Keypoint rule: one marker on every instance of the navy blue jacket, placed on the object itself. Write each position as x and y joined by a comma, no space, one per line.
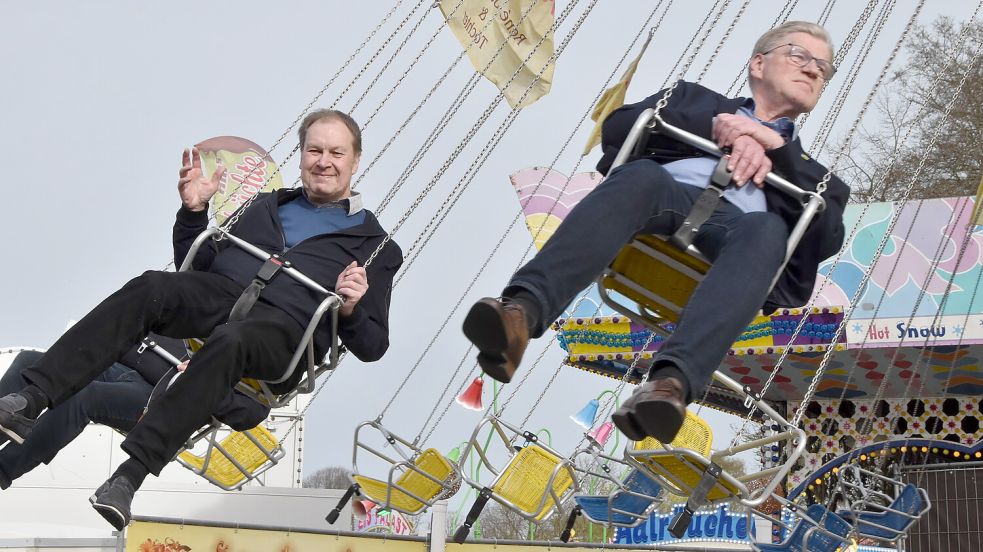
692,108
322,258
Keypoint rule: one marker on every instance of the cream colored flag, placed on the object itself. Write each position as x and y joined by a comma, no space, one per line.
612,99
482,26
978,209
249,170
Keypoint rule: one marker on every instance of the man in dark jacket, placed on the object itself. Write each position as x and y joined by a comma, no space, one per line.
320,229
116,398
745,236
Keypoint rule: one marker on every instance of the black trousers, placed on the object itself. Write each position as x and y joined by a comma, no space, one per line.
180,305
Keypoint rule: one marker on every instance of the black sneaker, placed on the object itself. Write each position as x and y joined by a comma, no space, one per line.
15,426
102,488
112,500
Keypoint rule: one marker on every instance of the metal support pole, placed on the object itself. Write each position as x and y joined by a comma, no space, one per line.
438,526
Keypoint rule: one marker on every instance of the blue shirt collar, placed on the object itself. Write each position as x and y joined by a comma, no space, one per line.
783,125
352,204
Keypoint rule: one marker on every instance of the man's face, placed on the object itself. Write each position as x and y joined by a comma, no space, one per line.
328,161
785,87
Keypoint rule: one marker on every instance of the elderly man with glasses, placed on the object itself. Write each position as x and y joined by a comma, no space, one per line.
745,236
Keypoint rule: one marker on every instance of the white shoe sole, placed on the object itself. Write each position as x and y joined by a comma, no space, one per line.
110,514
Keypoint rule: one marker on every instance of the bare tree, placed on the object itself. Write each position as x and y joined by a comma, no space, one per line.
881,161
331,477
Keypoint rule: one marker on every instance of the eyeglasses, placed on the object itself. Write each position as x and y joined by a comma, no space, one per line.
801,57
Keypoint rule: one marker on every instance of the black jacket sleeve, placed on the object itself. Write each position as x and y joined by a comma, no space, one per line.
366,332
187,225
691,107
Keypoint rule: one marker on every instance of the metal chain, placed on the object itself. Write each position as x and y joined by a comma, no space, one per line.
406,72
782,17
692,39
479,161
449,114
847,86
461,299
887,234
392,57
519,214
478,124
723,40
827,11
936,259
820,188
891,162
664,100
413,255
847,45
914,176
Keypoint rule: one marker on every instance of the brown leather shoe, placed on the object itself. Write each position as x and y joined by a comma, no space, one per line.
657,409
498,329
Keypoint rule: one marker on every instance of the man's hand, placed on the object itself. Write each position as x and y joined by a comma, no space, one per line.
183,366
747,160
352,285
727,127
194,188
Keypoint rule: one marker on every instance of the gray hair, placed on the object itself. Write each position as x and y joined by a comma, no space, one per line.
777,36
335,115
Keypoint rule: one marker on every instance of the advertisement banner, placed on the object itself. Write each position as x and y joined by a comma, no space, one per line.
168,537
917,331
509,41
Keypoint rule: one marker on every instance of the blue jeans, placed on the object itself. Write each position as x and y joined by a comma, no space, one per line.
116,398
642,197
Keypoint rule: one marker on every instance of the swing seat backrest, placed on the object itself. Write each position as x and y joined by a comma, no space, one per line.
804,540
695,435
654,274
525,481
680,466
892,523
624,507
406,492
238,458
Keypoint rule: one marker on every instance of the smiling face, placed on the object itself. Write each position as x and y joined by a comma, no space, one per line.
328,161
782,89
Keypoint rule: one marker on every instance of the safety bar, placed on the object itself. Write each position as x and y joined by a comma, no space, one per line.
333,302
797,435
648,121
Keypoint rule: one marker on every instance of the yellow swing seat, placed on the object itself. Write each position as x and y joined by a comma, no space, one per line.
237,459
535,482
525,482
656,275
417,478
686,467
660,276
413,491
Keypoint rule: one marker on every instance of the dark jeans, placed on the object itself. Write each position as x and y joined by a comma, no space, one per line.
641,197
179,305
115,398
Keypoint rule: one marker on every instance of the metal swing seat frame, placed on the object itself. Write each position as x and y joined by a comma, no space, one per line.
233,458
415,480
815,529
535,482
687,467
876,514
659,273
634,496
